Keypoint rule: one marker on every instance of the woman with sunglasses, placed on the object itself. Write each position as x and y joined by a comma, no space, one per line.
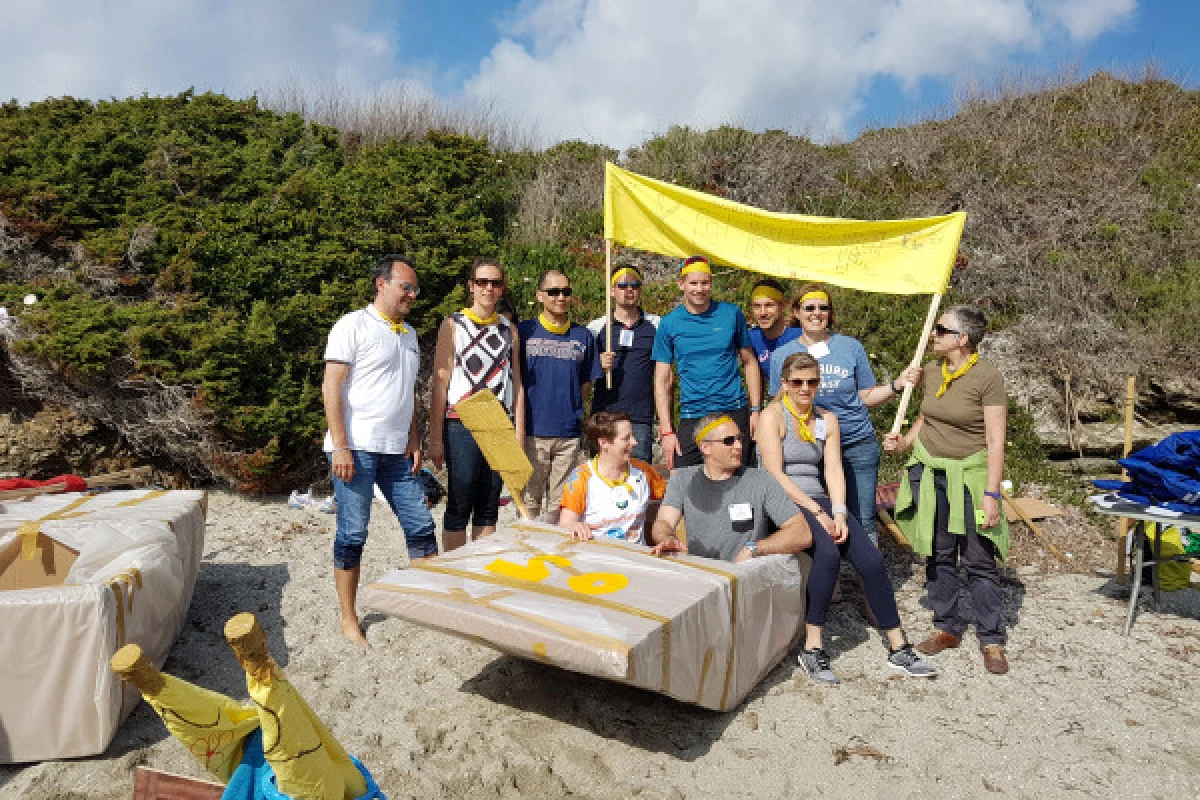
610,495
848,389
476,350
949,508
800,445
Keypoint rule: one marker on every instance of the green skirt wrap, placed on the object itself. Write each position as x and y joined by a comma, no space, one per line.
916,519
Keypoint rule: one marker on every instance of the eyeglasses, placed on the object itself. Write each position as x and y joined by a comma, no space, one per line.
800,383
811,307
942,330
484,283
565,291
408,288
630,285
728,441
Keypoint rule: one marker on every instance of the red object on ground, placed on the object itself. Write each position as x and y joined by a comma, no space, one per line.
885,495
74,483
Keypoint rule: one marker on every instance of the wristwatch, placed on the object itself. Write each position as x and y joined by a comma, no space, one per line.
755,409
753,548
894,389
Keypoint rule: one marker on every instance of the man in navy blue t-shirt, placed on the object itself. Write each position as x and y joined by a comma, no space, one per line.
629,359
558,365
706,341
771,315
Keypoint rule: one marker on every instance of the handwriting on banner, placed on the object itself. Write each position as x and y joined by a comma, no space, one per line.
535,571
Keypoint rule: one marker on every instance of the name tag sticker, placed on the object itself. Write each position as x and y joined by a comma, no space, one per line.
819,350
741,512
818,429
626,338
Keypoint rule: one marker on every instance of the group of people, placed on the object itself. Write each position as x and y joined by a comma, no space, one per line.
818,455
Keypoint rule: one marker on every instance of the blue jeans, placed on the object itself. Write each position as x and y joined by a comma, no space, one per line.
644,449
394,476
860,464
472,487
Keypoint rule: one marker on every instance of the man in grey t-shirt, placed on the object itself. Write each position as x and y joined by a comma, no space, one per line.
728,509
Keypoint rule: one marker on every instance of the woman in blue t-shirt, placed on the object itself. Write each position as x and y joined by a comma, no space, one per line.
848,389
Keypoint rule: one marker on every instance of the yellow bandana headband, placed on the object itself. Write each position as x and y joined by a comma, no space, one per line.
710,427
695,264
767,293
623,271
816,294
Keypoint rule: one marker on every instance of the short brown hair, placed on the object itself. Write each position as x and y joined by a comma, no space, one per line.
813,287
603,425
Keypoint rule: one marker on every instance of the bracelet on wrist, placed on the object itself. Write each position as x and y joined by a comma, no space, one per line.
993,495
840,509
755,409
664,434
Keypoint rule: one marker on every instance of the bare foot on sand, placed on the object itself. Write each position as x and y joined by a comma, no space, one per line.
353,631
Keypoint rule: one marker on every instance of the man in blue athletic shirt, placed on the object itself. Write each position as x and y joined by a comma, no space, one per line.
771,317
629,360
706,341
558,365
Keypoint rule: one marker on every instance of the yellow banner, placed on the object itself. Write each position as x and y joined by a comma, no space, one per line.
904,256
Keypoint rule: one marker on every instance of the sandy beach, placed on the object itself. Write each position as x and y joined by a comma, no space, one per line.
1084,711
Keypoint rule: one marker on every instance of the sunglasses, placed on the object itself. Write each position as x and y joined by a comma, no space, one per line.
631,285
494,283
800,383
942,330
811,307
728,441
564,291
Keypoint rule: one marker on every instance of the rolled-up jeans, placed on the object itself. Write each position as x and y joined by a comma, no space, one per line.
860,465
393,474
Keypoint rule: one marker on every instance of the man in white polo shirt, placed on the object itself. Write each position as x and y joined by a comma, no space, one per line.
371,363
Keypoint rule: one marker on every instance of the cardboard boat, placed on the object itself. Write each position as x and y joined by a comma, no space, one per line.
701,631
81,575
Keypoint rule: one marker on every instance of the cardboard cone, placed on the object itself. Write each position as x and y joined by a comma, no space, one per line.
210,725
308,761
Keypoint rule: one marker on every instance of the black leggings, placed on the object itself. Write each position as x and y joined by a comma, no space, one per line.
826,562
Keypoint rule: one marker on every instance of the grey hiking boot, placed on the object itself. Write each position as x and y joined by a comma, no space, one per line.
907,661
816,664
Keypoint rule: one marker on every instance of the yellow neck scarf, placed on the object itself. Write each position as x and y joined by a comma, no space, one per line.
622,481
398,326
801,422
949,378
557,330
478,320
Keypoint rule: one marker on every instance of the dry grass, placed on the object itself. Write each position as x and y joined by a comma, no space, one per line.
402,112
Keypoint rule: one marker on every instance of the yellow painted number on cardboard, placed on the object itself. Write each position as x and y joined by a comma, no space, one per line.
536,571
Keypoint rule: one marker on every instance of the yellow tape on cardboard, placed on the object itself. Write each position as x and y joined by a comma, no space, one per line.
904,256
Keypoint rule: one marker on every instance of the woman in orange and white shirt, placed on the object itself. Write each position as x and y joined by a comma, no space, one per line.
612,494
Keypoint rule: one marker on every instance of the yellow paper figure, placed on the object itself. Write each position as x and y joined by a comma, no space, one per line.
308,762
210,725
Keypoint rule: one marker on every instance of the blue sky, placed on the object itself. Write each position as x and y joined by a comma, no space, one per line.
616,71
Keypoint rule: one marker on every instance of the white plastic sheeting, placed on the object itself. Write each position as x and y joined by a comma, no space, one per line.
702,631
139,552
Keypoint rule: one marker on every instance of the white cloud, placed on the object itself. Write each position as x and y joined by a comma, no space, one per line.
102,48
1087,19
619,70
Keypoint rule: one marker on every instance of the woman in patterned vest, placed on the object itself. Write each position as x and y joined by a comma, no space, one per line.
476,350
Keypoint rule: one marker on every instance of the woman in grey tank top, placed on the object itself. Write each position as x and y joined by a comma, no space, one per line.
800,445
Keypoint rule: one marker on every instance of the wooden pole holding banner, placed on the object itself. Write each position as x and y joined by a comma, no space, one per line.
608,305
916,361
1122,523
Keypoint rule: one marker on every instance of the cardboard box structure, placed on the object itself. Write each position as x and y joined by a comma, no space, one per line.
102,570
702,631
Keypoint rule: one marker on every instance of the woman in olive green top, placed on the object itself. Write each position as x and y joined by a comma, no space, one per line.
949,508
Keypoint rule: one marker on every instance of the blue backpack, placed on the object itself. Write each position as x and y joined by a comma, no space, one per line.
1165,474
